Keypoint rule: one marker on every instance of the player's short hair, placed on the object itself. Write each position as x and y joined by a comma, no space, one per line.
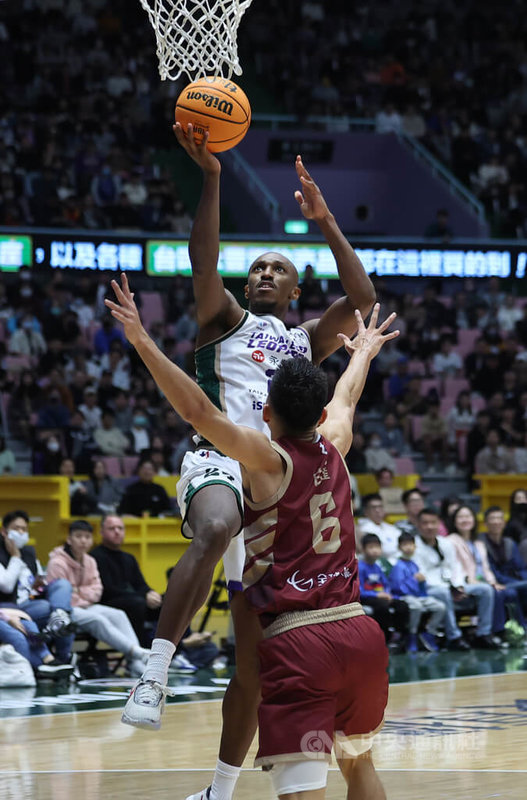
11,515
370,538
80,525
405,536
298,393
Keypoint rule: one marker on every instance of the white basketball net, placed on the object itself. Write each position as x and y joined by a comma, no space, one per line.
196,36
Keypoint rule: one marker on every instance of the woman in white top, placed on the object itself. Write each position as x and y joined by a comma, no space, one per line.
460,418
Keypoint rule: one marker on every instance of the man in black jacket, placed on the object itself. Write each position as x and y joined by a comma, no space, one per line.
23,584
145,495
123,583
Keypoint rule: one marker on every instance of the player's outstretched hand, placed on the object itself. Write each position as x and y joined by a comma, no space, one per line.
310,200
125,310
198,152
369,339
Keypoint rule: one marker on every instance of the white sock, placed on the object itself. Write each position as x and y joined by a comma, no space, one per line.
159,661
224,781
139,653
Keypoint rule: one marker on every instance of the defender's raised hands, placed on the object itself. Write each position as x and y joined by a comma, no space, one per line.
369,339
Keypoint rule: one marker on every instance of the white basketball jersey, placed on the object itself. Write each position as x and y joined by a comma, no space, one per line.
236,369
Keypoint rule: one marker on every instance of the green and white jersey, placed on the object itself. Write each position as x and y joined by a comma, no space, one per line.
235,370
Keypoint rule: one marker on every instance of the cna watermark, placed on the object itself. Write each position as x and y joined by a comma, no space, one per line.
319,744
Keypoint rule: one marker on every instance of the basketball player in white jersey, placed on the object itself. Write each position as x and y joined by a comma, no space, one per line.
237,353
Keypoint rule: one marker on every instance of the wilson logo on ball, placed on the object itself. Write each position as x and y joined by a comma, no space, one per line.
223,106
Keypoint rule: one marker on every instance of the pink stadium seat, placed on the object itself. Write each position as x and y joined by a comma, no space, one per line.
113,466
416,367
430,383
404,465
129,465
453,386
465,341
152,308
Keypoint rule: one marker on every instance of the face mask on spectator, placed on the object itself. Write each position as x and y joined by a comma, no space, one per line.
53,446
19,538
140,421
375,443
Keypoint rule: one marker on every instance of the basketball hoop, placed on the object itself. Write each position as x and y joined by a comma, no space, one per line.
196,36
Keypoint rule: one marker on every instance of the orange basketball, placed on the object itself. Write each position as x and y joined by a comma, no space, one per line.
218,106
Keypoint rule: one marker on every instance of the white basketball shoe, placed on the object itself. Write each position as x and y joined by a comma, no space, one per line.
203,795
145,705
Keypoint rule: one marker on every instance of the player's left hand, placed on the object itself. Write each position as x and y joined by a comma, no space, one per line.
125,311
369,339
311,201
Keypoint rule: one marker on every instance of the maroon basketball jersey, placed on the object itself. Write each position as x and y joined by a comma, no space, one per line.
300,547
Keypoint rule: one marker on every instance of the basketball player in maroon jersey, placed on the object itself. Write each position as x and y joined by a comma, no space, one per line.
322,662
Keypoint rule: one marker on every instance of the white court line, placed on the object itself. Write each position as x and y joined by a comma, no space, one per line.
249,769
50,713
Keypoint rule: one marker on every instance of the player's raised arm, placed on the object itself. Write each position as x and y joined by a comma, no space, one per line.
338,426
215,306
251,448
359,289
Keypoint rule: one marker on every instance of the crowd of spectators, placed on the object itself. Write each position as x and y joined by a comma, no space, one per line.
84,116
84,590
83,119
453,75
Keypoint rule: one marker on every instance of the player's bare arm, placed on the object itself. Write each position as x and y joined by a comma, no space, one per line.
359,289
216,309
251,448
338,426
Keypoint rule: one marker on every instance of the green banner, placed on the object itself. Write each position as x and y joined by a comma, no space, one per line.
15,252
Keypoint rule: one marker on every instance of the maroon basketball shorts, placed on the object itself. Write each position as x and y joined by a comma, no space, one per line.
322,685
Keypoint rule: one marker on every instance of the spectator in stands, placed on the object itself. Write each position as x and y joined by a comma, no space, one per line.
477,437
23,584
449,505
447,362
123,412
436,557
53,414
399,380
390,612
413,123
392,436
440,228
79,442
434,436
103,489
72,563
123,583
24,403
117,363
388,120
373,521
488,376
144,495
407,583
505,561
516,527
80,502
107,334
138,434
159,462
476,360
494,457
521,327
413,501
312,295
508,314
460,418
390,494
376,456
91,411
26,341
18,629
7,459
110,440
472,555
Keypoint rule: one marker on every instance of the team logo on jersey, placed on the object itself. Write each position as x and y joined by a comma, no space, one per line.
320,475
300,584
258,356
